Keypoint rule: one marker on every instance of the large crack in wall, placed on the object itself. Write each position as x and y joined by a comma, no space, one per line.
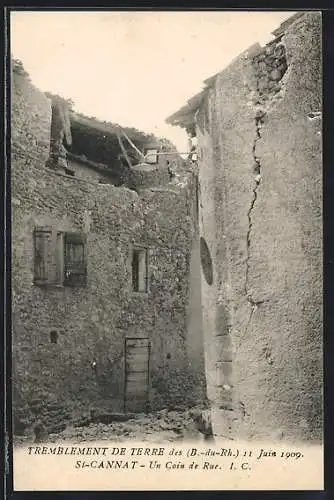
257,170
269,66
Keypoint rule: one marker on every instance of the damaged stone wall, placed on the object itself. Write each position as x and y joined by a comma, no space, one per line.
60,133
54,381
260,162
30,121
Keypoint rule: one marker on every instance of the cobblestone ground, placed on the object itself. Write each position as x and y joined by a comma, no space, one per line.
161,426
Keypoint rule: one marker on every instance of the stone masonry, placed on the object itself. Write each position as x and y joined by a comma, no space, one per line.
85,367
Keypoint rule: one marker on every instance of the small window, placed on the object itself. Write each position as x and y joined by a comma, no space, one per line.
60,258
151,156
140,270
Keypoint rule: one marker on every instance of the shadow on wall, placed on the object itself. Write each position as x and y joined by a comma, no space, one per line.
206,261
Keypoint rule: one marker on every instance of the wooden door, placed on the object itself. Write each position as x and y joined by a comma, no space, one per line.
137,370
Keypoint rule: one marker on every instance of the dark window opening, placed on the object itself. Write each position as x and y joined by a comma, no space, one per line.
139,270
53,337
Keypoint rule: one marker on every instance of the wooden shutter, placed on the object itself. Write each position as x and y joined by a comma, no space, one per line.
75,263
42,239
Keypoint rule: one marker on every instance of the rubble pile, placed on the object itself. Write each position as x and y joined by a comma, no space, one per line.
161,426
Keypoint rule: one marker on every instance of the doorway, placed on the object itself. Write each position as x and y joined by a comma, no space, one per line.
137,375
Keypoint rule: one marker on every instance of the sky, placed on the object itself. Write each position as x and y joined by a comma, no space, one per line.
134,68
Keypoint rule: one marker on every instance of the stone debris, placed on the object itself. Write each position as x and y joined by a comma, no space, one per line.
161,426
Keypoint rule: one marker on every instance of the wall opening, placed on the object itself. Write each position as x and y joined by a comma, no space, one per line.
140,270
206,261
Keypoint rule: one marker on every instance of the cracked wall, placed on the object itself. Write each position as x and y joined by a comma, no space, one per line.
52,381
260,172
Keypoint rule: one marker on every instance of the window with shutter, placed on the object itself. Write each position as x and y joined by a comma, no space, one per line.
140,270
75,266
59,258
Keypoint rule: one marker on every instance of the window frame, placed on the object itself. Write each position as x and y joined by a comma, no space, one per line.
139,249
74,238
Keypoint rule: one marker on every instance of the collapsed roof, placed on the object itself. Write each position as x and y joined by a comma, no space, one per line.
98,141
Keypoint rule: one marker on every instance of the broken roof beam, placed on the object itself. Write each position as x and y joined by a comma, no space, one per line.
184,117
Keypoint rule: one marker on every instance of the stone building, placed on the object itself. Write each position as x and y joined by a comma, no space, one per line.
105,279
258,129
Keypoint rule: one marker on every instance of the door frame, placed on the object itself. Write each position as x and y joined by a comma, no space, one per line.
149,348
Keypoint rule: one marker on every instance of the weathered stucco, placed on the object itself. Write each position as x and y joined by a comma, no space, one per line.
53,381
260,170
